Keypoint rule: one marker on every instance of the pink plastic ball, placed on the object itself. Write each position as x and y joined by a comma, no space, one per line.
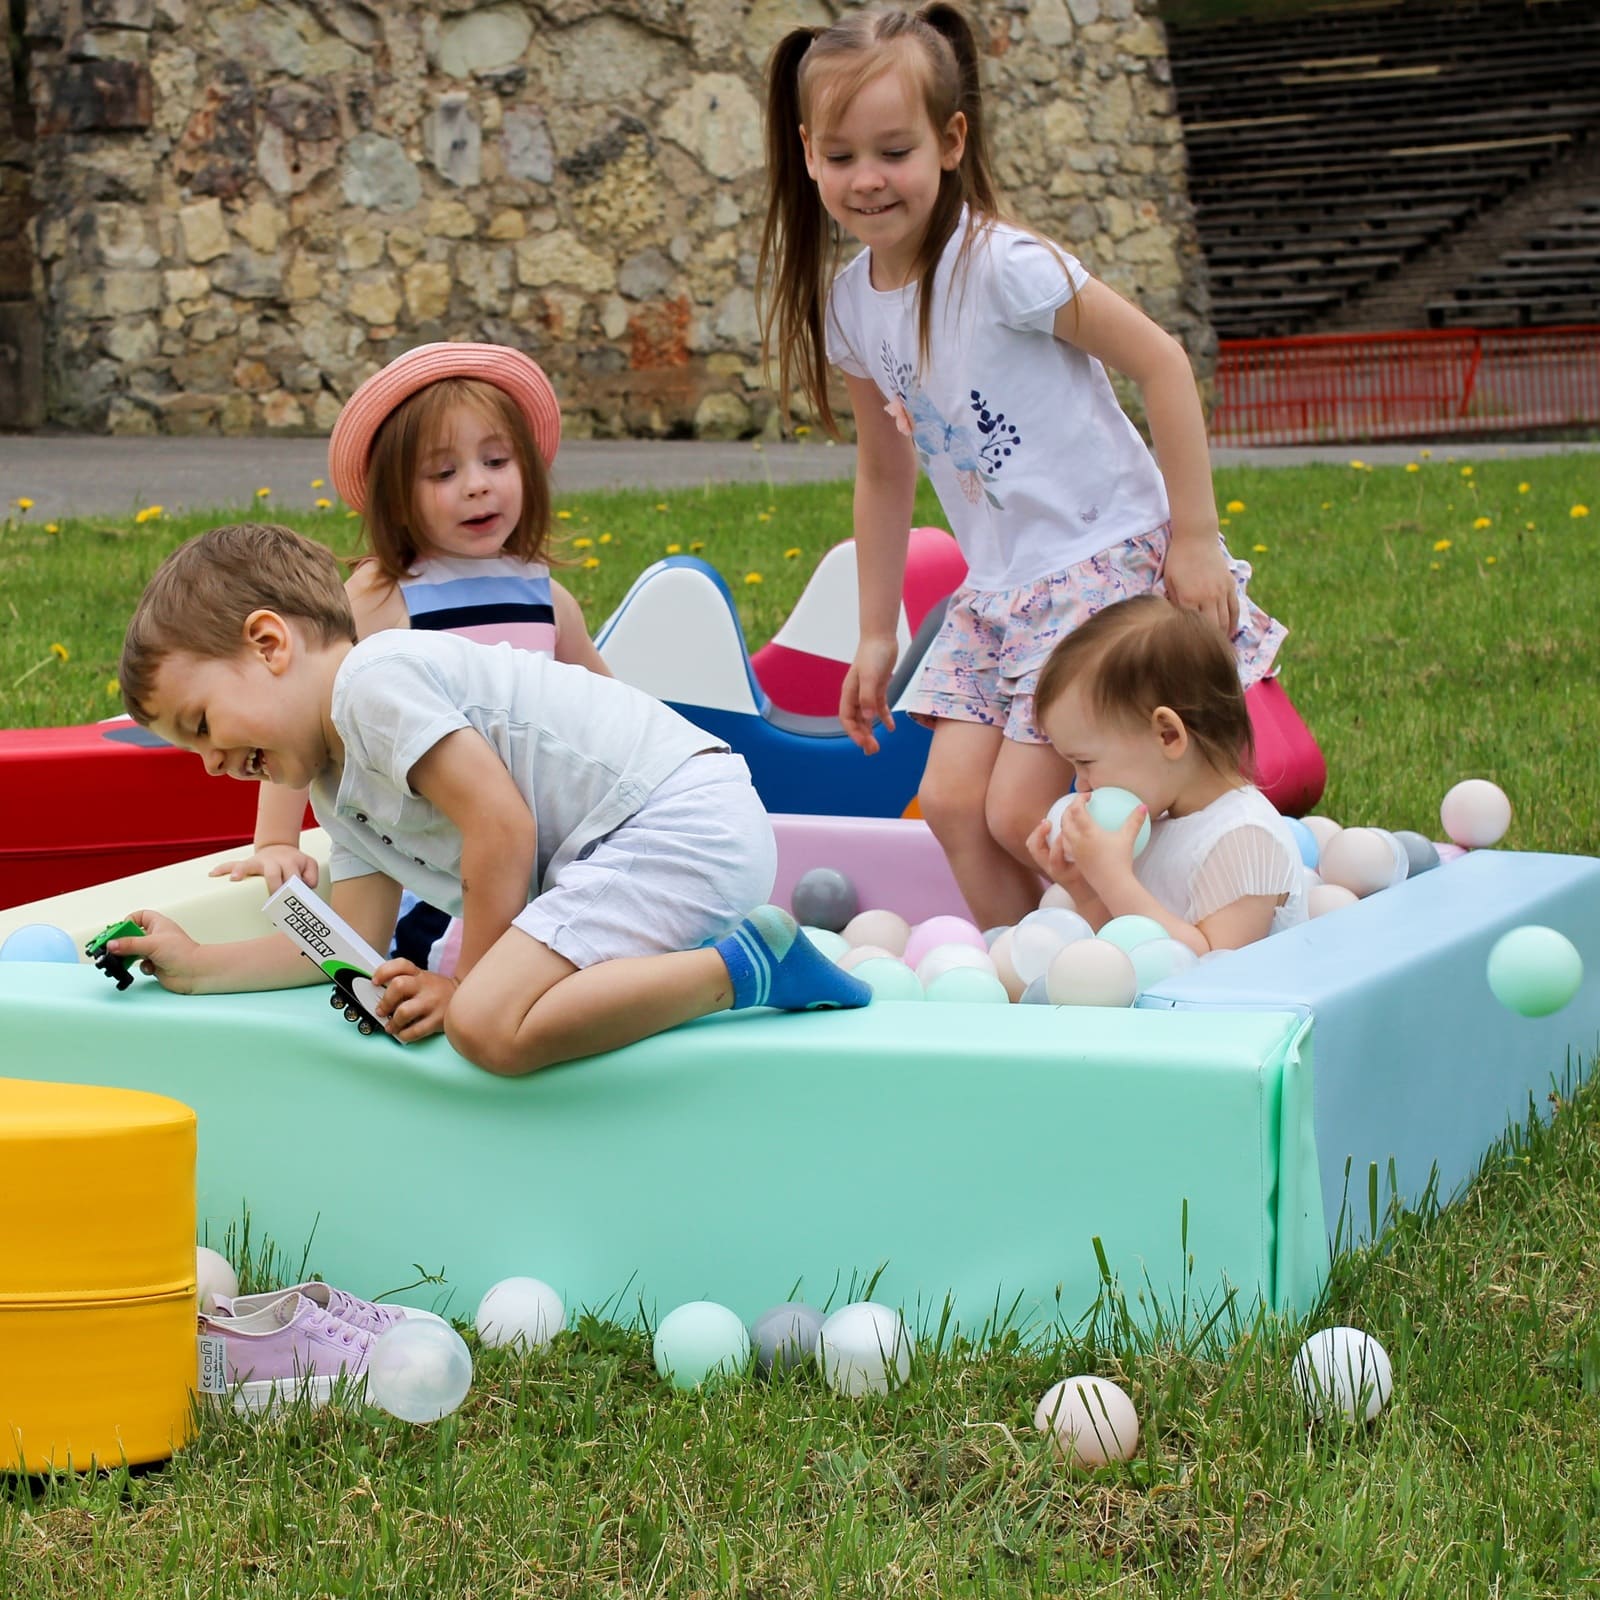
1358,859
1476,813
1090,1420
935,931
1449,852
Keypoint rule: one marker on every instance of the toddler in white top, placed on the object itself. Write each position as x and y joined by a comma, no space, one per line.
1146,697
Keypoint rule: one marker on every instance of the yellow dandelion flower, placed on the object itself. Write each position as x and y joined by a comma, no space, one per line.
52,527
563,516
674,549
1483,522
1358,466
1528,526
1411,466
661,505
591,562
324,504
24,503
1433,566
753,577
349,514
316,483
802,431
1523,488
1236,505
792,553
605,538
1578,511
1327,505
261,494
1427,455
1466,472
583,544
1489,561
771,510
1260,549
1441,544
60,652
697,544
763,516
1224,522
113,688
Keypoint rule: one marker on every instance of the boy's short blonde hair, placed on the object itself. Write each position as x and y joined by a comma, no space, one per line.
198,600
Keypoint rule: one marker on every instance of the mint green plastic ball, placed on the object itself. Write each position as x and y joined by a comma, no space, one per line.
1534,970
890,978
1110,808
970,984
1128,933
699,1343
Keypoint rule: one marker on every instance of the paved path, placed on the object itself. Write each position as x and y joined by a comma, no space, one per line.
84,475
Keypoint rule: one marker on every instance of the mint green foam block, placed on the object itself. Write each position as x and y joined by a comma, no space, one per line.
965,1150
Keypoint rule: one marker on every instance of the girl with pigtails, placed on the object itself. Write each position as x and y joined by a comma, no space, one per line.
977,350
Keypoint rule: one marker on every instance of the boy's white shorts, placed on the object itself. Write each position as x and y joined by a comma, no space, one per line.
694,859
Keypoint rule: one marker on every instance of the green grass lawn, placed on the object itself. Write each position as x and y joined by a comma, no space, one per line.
1443,625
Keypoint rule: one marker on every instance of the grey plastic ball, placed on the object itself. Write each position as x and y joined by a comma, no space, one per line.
1035,994
824,898
786,1335
1419,850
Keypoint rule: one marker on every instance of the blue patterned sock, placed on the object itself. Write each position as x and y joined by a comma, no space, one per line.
773,964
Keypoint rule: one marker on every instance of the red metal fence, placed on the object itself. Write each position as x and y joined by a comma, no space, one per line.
1331,388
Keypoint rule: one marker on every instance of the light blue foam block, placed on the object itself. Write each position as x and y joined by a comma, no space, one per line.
1416,1061
965,1153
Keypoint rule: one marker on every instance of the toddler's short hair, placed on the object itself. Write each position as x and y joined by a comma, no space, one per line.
1146,652
200,596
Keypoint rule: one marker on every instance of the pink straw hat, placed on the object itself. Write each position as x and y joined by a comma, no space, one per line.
350,448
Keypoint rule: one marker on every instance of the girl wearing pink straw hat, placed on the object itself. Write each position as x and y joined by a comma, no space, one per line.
446,454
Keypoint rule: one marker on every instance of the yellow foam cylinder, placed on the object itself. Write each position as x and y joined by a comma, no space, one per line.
97,1276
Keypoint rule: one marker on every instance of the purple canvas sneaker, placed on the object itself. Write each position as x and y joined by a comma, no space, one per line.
288,1349
363,1314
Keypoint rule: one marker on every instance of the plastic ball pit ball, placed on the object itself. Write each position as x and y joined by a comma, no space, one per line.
419,1370
1109,808
1305,841
1421,856
831,944
1328,897
1128,933
825,898
1358,859
971,985
1037,993
890,978
943,958
1091,972
1039,938
785,1336
1158,960
1402,856
1344,1372
886,929
936,931
859,955
40,941
700,1343
1091,1421
1322,829
1055,898
1476,813
214,1278
1534,970
523,1313
864,1348
1000,954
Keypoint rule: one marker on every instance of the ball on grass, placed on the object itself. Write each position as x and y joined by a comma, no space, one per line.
523,1313
40,941
214,1278
785,1336
1343,1372
1534,970
419,1370
1091,1421
701,1342
1476,813
864,1348
824,898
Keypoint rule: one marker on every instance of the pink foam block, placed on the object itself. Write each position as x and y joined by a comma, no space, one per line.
894,863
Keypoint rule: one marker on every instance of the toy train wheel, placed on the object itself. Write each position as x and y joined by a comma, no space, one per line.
351,1014
336,1000
364,1026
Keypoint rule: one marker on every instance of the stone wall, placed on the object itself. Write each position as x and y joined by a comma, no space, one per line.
243,207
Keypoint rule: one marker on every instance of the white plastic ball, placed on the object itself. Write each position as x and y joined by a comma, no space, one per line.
886,929
864,1348
1090,1420
1402,861
1361,860
889,978
943,958
1129,932
214,1278
1476,813
1328,897
1053,815
1322,830
1055,898
1091,972
1345,1372
419,1370
1159,959
524,1313
701,1342
1010,978
968,986
1036,940
936,931
831,944
857,954
1309,878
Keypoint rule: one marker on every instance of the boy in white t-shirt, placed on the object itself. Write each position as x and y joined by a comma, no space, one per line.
603,852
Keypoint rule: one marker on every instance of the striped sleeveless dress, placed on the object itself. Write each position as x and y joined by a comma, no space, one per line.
498,601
